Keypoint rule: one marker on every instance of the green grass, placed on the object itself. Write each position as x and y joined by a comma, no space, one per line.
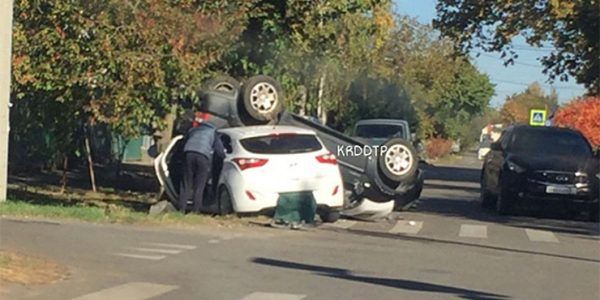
4,260
115,214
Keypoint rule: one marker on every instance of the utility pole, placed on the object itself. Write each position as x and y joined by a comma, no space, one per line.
6,19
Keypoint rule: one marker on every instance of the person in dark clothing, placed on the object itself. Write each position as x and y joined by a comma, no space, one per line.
202,145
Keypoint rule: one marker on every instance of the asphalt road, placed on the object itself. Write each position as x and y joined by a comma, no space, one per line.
445,247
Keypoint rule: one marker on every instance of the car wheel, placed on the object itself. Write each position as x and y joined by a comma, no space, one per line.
399,162
262,98
404,201
503,203
224,201
222,83
487,201
594,214
330,216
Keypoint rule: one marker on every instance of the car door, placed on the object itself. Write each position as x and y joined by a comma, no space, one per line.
494,161
161,167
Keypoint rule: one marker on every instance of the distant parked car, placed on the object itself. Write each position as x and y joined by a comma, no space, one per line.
377,131
547,165
262,162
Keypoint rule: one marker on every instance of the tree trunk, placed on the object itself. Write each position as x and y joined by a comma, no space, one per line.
321,112
303,100
63,180
90,161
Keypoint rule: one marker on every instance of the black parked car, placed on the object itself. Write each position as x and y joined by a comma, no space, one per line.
546,165
259,100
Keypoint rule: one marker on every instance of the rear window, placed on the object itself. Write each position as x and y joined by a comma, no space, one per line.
282,144
549,142
380,131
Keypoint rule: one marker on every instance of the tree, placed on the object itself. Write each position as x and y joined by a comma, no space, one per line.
516,107
570,26
584,115
315,48
119,63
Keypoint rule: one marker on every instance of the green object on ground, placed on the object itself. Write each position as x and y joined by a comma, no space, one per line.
294,208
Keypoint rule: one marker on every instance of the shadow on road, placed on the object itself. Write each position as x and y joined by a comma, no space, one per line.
465,244
389,282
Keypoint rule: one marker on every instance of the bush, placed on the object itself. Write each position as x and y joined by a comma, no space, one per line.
583,115
438,147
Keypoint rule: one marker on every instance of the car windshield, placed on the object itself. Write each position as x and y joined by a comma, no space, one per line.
282,144
383,131
549,143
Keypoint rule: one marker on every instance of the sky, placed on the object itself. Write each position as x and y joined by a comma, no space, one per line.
508,79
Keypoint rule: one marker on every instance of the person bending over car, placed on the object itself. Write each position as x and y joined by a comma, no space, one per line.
201,145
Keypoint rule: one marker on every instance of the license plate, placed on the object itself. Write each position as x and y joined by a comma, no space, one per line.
563,190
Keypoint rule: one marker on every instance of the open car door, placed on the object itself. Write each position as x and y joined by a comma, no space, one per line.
163,167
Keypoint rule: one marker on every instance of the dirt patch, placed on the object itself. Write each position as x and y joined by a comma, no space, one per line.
28,270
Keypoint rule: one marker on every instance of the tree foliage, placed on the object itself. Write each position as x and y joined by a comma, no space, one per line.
570,26
124,65
516,108
584,115
118,62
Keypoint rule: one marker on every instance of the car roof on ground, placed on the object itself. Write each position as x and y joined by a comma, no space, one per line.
262,130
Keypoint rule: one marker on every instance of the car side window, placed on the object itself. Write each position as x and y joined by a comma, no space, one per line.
226,140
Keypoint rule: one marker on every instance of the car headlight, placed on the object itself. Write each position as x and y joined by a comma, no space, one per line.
515,168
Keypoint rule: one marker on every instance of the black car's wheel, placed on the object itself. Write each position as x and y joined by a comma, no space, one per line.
262,98
487,200
594,214
330,216
224,201
399,161
222,83
504,203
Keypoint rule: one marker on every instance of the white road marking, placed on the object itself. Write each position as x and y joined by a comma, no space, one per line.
213,241
149,257
541,236
344,224
407,227
273,296
178,246
473,231
164,251
129,291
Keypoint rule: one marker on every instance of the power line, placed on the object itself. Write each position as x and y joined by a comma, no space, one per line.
528,84
515,62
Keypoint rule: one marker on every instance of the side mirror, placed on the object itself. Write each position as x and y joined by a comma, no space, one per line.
496,146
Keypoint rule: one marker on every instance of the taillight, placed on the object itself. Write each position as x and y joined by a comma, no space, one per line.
327,159
247,163
250,195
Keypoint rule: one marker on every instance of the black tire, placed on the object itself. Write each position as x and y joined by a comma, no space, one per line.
224,201
504,205
404,150
594,214
222,83
262,86
487,200
404,201
330,216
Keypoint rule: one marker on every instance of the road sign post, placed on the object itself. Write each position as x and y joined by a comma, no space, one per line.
538,117
6,12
